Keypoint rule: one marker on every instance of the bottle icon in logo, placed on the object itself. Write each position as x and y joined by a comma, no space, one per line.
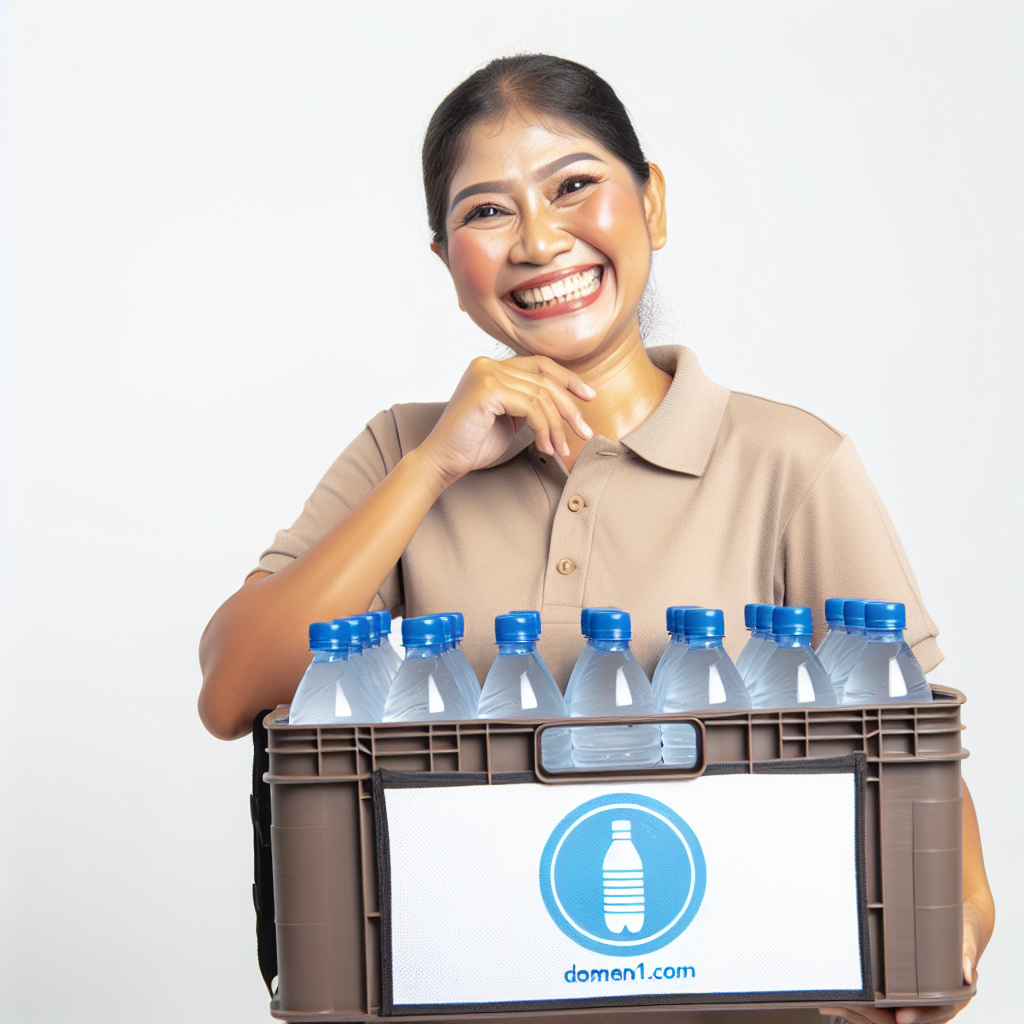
623,882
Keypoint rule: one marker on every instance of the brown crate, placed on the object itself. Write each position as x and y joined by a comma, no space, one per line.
325,868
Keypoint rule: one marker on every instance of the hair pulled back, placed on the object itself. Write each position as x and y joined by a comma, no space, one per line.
539,82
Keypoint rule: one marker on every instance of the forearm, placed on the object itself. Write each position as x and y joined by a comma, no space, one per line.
979,907
255,649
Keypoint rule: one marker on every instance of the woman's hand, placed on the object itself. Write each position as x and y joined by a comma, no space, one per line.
493,400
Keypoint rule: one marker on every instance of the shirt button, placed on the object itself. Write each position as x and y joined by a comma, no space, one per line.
575,503
566,566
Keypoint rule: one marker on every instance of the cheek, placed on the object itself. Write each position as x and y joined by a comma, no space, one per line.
474,258
616,220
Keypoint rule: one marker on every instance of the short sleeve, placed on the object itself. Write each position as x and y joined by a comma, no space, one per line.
840,542
359,468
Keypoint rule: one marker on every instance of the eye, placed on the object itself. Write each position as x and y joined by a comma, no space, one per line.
575,183
485,212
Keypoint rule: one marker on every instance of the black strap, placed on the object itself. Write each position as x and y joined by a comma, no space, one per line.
263,864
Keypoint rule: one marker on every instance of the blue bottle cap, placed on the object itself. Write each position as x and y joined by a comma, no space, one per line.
608,624
853,613
792,621
885,615
750,616
425,630
704,622
674,616
516,626
834,610
333,636
585,619
369,631
383,622
458,624
528,611
763,620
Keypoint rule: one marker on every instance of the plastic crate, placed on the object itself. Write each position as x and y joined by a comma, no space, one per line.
324,844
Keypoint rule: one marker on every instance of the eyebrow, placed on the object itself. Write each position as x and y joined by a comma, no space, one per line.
539,175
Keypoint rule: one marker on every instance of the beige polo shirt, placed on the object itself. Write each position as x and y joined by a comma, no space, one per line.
717,499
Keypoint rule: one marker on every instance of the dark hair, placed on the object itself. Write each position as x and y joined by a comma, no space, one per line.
539,82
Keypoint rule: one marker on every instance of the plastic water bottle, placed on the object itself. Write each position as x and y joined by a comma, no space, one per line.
587,652
763,636
519,684
675,647
836,631
847,649
333,692
424,689
457,660
389,655
703,678
791,676
623,882
613,685
368,661
755,641
887,671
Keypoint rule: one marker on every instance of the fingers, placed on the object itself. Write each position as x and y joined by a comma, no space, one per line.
542,374
860,1014
928,1014
566,378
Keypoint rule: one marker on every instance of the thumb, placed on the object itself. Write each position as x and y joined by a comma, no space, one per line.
970,948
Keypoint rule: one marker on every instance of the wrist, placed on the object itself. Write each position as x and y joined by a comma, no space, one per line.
427,473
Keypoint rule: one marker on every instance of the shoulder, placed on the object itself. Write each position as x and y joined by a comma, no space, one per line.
777,431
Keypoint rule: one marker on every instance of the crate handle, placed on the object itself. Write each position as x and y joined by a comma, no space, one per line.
554,775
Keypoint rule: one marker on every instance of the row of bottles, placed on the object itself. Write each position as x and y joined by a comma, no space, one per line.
355,677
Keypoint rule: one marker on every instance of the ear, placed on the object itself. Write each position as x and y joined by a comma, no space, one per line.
438,251
654,207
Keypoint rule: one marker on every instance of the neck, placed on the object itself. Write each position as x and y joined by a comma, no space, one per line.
629,388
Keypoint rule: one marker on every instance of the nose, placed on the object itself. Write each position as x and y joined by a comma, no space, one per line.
541,237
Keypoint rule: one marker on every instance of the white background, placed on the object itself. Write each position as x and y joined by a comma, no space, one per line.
216,270
501,945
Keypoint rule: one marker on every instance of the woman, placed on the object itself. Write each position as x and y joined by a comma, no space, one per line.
585,471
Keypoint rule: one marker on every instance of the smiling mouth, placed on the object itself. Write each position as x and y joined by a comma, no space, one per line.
561,292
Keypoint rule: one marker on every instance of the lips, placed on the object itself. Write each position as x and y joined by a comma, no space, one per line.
552,295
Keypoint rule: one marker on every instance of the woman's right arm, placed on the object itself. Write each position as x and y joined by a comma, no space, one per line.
254,650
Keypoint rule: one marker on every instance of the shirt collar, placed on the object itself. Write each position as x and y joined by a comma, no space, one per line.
680,434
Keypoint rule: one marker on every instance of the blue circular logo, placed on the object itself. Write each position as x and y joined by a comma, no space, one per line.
622,874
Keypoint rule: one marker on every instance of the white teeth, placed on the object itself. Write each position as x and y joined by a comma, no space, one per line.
566,289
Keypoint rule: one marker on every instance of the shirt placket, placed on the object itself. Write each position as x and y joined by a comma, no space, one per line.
572,530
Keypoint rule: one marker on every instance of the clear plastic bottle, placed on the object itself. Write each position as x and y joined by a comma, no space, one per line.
703,678
333,691
836,631
424,689
887,671
675,647
752,645
370,660
389,655
519,684
457,660
587,652
791,676
613,685
847,648
762,635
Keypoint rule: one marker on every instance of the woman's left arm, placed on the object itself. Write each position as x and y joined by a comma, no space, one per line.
979,920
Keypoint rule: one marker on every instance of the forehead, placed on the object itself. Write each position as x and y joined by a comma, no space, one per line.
514,148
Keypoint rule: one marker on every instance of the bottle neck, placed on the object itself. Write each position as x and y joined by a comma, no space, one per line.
883,636
611,645
425,650
837,627
761,634
677,638
703,643
854,630
340,654
791,640
517,647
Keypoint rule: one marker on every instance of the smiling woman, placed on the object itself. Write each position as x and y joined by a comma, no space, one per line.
586,470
